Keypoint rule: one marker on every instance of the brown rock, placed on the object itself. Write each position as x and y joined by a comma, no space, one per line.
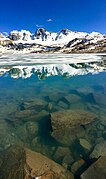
49,175
39,165
7,136
97,170
12,166
78,165
62,104
36,104
20,163
64,154
65,124
99,150
32,128
49,106
55,96
85,144
27,115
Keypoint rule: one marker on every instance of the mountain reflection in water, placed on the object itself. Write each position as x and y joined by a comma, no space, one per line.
64,70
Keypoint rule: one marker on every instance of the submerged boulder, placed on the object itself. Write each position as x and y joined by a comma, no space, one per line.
66,124
78,166
12,163
97,170
100,99
72,98
26,115
85,144
23,163
36,104
64,155
99,150
7,136
39,165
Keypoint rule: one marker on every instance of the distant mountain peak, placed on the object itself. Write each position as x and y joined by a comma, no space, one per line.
65,31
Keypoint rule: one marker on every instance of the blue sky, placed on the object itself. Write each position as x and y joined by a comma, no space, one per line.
54,15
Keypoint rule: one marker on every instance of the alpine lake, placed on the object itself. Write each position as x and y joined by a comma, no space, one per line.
58,110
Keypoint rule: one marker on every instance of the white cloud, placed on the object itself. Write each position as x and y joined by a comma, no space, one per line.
49,20
37,25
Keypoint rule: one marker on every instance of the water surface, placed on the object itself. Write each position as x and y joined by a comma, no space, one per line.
30,94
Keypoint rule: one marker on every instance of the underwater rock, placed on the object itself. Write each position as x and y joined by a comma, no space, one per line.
26,132
17,162
99,150
65,124
90,98
85,144
78,166
104,135
99,140
93,107
55,96
100,127
27,115
7,136
48,175
39,116
12,165
49,106
35,142
32,128
72,98
20,115
41,148
7,106
4,127
39,165
22,133
91,133
64,156
103,119
97,170
78,106
99,88
63,105
36,104
100,99
84,90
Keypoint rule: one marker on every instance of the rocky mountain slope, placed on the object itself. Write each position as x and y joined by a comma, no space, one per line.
65,41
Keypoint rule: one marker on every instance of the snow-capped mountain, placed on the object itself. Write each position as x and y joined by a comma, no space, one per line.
42,35
76,42
64,70
1,35
23,35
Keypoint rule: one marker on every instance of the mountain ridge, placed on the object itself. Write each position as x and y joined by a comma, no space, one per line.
64,39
